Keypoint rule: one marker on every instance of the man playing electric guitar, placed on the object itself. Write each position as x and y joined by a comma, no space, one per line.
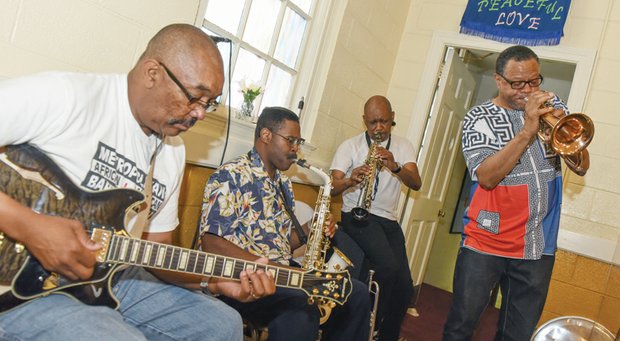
103,131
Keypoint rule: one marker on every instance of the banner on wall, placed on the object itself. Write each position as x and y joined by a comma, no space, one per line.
523,22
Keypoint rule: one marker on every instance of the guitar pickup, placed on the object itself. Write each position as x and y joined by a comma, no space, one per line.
103,237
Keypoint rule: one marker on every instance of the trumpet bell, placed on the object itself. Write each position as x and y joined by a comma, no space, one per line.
571,134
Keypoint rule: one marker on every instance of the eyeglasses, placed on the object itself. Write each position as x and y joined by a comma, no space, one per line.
292,141
517,85
193,101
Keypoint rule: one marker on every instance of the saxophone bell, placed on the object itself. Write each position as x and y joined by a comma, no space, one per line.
359,213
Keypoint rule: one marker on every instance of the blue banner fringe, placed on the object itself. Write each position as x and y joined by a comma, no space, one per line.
512,40
523,22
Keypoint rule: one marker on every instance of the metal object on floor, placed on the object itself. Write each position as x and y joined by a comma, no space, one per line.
572,328
373,289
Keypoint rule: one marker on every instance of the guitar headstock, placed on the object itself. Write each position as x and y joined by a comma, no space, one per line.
332,286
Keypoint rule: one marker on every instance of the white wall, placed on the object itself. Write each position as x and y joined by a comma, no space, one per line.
361,67
82,35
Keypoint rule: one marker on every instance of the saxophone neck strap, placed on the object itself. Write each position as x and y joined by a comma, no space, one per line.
303,238
369,142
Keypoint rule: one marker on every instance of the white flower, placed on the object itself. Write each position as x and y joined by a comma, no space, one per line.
250,90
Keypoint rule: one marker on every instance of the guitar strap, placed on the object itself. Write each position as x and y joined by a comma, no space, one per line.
142,217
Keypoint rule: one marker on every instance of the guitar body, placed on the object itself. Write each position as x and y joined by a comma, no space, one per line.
55,194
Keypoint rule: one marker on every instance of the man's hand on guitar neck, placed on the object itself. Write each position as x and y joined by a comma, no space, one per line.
249,287
252,286
61,245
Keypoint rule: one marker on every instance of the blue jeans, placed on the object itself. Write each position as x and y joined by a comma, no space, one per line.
149,310
523,283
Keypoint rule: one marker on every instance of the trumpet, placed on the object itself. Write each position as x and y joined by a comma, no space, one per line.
568,137
373,288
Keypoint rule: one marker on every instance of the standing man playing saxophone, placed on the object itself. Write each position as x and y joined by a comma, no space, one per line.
244,215
380,236
512,220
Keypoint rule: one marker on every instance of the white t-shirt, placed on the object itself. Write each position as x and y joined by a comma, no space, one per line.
303,212
83,122
352,153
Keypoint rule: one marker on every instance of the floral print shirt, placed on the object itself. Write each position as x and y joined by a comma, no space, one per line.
245,206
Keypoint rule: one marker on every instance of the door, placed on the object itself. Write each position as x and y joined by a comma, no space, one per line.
440,145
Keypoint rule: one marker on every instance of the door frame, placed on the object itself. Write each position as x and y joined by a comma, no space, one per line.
582,58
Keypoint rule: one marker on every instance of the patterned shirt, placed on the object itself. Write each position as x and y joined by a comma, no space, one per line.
520,217
245,206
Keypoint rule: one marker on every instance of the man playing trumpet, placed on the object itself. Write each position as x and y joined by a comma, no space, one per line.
512,220
379,234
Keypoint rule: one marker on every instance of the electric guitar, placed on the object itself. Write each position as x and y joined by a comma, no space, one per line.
34,180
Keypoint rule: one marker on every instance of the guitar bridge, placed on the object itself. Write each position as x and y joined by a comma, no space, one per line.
51,282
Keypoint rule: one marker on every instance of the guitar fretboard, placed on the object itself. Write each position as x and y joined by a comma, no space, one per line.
145,253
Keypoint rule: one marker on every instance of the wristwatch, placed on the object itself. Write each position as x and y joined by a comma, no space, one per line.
204,285
398,168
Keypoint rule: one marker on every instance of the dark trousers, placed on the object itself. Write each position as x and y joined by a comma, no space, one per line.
288,316
383,243
523,284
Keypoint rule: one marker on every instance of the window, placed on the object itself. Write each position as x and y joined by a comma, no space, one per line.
268,39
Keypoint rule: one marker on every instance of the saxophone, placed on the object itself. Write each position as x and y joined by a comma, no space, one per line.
318,244
360,212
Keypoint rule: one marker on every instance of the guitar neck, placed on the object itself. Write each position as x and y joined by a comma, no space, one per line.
144,253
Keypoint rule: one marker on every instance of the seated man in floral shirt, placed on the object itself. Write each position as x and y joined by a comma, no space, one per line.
244,216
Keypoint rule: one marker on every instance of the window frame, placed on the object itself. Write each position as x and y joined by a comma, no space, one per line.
315,58
302,65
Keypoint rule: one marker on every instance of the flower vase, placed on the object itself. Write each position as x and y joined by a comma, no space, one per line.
246,110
